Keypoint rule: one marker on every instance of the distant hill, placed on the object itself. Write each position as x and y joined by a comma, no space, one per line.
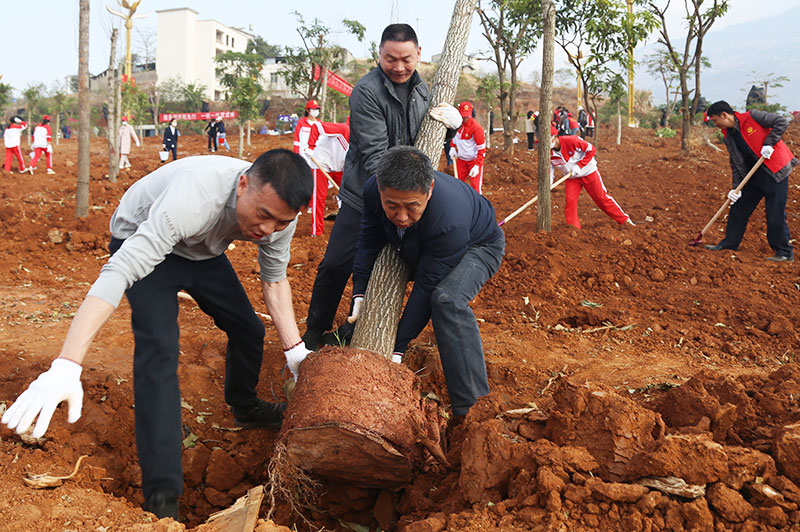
768,45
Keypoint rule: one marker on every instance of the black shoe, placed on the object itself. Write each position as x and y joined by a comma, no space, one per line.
781,258
341,337
311,338
715,247
162,503
259,414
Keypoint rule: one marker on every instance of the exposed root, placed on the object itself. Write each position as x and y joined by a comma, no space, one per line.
289,482
44,480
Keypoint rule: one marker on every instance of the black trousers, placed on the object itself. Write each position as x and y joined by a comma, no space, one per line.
530,140
174,153
334,270
154,312
212,142
761,185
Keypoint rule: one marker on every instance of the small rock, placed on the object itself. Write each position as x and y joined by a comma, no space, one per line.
728,503
627,242
657,275
786,450
55,236
431,524
619,492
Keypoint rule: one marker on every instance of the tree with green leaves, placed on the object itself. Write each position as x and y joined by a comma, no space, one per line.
61,103
239,73
33,95
766,81
487,91
261,47
6,91
699,16
512,28
318,50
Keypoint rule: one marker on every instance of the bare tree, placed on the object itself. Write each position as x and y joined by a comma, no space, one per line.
543,213
111,93
82,193
376,327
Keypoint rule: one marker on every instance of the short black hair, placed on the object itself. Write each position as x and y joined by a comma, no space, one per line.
288,174
399,33
717,108
405,168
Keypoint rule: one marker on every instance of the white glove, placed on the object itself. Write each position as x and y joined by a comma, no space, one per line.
17,120
295,357
397,358
453,154
474,171
61,382
766,151
357,302
49,148
447,115
733,196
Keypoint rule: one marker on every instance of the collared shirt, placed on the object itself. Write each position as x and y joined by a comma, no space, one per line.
188,208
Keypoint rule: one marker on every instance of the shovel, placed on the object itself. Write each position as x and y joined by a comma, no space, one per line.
532,201
699,240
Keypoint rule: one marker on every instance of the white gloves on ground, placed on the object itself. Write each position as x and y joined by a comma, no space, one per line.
474,171
447,115
357,302
61,382
453,154
766,151
397,358
733,196
295,356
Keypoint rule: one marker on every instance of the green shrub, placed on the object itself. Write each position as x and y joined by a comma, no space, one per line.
666,132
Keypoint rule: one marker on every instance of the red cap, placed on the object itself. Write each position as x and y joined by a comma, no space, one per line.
465,109
312,104
46,117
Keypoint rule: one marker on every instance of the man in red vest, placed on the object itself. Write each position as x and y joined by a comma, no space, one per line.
749,136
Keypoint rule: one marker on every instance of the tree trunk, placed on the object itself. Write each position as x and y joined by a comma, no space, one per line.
82,192
488,128
543,210
390,274
58,127
686,124
241,139
113,158
324,98
619,125
156,101
248,132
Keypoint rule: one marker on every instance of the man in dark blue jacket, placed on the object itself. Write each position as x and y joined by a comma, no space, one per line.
170,141
448,236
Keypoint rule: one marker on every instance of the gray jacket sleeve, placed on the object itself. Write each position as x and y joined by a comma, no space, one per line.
273,258
777,122
369,123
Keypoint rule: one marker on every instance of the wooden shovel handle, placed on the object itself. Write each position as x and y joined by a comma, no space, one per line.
533,200
330,179
727,202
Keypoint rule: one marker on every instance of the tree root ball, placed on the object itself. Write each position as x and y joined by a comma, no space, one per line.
355,416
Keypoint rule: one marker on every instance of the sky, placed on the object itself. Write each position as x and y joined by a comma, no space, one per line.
50,60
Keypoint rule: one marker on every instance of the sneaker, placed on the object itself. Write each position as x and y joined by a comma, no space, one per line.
259,414
781,258
162,503
713,247
630,222
51,171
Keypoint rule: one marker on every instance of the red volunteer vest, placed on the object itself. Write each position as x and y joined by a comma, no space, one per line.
754,134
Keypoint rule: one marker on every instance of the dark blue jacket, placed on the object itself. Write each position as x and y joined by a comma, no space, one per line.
170,139
455,219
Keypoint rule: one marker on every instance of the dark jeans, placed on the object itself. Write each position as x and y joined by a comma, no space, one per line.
154,312
761,185
212,142
530,140
334,270
455,327
174,153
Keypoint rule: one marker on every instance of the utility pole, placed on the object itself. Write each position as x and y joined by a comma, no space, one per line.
631,123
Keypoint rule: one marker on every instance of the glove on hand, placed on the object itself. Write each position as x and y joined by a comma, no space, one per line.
733,196
474,171
447,115
61,382
453,154
295,357
49,148
357,302
17,120
766,151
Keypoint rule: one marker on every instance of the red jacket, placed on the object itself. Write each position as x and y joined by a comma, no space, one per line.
470,142
754,134
576,156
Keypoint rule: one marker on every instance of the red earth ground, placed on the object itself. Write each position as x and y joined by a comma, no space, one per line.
635,355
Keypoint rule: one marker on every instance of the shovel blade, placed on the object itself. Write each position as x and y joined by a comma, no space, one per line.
697,241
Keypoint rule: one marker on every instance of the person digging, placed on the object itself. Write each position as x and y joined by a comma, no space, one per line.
746,135
169,233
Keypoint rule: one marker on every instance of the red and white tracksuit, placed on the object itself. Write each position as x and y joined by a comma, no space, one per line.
302,132
12,137
470,145
577,156
42,135
329,149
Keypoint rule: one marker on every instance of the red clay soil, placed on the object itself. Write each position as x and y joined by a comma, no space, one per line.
618,357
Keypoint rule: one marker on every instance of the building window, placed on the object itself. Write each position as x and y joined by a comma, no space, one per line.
218,51
231,42
227,40
219,36
273,78
217,95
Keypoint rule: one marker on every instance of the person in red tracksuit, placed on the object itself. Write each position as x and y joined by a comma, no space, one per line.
329,150
12,137
302,132
468,149
571,153
42,135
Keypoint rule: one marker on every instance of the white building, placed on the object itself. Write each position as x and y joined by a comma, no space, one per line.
186,48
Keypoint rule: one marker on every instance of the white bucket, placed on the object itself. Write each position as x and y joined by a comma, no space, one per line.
164,155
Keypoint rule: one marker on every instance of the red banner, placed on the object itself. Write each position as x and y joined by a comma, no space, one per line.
335,82
166,117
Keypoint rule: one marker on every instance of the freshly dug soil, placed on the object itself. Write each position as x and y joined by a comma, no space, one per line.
633,355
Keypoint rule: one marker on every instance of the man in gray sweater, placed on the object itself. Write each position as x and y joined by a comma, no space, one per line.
169,233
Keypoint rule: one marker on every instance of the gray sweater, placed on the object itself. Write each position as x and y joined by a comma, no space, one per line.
187,207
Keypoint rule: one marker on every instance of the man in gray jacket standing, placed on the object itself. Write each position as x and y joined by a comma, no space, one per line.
386,109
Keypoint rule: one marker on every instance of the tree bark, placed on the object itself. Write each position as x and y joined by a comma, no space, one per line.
390,274
113,158
241,139
82,192
543,210
248,132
